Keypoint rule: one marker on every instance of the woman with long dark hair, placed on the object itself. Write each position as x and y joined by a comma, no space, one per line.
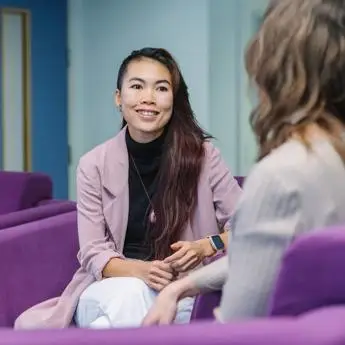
297,64
153,203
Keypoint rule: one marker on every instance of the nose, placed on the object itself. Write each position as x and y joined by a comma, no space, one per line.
148,96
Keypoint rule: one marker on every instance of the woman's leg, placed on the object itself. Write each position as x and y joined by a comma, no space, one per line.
121,302
114,302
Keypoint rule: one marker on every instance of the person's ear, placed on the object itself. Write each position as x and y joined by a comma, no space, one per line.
117,99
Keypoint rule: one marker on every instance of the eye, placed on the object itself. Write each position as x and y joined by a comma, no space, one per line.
136,86
162,88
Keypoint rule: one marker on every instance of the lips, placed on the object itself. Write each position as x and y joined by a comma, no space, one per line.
146,112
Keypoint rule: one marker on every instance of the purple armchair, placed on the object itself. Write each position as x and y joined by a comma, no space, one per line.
312,274
26,197
310,277
240,180
21,190
35,213
322,327
37,260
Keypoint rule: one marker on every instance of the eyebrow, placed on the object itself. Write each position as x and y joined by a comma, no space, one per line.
143,81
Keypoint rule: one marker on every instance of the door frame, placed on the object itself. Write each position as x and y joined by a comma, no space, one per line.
26,35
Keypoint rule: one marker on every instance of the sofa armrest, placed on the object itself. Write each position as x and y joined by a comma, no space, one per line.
37,260
53,201
323,327
35,213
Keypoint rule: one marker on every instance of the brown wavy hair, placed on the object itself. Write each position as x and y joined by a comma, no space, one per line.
297,62
182,158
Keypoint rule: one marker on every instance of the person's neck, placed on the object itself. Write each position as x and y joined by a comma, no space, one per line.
144,150
310,133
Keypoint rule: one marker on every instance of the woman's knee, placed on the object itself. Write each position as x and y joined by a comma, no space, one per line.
112,296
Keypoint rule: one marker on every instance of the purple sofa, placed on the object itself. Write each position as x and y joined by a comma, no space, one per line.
312,274
26,197
37,260
36,213
308,279
322,327
240,180
21,190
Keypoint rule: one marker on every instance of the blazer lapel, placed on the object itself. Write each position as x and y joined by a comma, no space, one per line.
115,188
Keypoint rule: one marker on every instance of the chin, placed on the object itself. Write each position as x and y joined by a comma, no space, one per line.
150,127
151,130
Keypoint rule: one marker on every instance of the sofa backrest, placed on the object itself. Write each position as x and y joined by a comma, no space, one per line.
21,190
312,273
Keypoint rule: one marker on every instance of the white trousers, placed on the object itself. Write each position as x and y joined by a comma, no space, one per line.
121,302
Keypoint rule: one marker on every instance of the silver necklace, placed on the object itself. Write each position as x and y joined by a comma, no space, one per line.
142,182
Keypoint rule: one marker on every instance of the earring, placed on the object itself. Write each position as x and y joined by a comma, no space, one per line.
120,108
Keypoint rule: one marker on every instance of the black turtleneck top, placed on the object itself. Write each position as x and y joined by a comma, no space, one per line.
147,159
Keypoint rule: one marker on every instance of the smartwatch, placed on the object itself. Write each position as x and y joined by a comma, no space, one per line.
216,242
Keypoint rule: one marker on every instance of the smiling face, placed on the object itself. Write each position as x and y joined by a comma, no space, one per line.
146,99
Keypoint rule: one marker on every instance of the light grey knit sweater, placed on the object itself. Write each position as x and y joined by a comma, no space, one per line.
289,192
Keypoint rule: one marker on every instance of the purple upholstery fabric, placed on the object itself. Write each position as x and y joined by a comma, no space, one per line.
312,273
323,327
205,303
51,201
240,180
37,260
21,190
35,213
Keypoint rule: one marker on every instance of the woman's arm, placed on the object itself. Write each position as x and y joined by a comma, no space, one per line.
117,267
226,194
98,254
207,278
207,248
225,188
270,215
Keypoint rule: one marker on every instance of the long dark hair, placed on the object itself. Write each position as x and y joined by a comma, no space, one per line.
182,158
297,62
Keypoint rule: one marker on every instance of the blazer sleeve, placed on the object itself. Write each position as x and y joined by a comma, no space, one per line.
96,248
226,191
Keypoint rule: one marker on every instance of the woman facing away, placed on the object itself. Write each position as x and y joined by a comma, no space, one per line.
152,204
297,62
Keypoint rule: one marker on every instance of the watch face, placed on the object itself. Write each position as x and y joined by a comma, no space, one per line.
218,242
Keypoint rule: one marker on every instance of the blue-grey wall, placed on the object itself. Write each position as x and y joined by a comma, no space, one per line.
207,37
103,32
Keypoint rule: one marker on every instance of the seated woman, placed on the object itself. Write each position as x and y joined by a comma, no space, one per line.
159,187
297,62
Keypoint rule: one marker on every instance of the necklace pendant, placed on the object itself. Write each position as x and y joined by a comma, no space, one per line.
152,217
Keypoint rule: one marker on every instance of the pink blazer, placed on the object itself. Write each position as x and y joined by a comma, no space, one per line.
102,183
